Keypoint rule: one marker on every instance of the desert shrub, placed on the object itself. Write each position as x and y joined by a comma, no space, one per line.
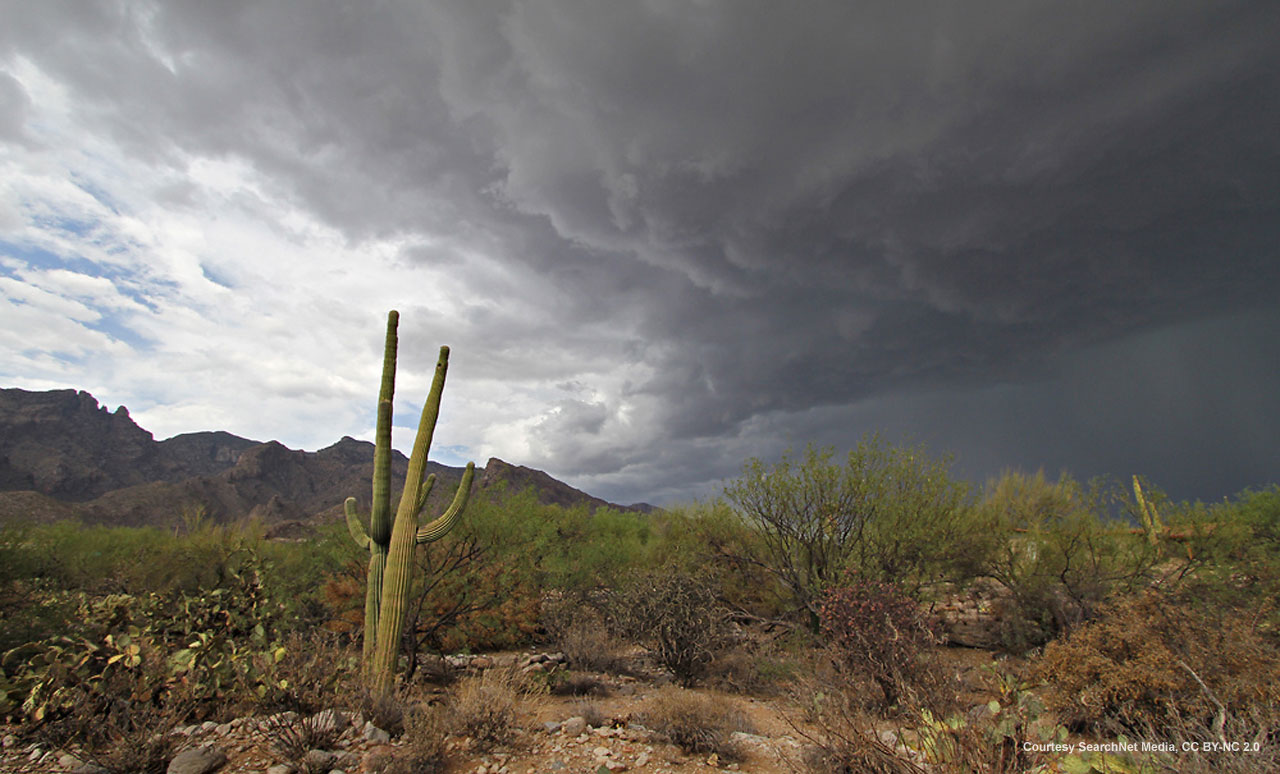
889,513
752,668
485,707
843,739
579,627
712,538
214,644
1229,553
121,720
1150,661
676,617
424,749
580,685
1058,553
694,722
591,713
291,735
993,739
878,632
303,674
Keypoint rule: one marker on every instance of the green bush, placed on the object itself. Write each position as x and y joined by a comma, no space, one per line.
1058,553
887,513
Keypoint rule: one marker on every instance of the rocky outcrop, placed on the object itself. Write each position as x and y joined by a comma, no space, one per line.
63,444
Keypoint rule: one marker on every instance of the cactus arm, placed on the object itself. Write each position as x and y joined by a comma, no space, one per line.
398,575
441,526
427,486
380,514
353,524
372,599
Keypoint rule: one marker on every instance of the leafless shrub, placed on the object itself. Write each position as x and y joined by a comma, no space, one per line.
580,630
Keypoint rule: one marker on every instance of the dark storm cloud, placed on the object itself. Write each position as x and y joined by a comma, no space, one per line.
779,209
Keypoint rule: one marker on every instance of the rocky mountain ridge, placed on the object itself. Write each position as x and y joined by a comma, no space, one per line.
62,455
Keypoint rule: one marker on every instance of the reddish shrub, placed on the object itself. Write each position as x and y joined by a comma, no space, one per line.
878,632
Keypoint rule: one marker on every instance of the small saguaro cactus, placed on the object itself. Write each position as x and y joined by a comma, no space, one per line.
391,546
1147,512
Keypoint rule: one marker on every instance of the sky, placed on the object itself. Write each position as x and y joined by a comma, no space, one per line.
660,237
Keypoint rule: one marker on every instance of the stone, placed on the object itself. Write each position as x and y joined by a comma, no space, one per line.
602,752
574,725
197,760
551,726
642,760
319,760
374,734
280,768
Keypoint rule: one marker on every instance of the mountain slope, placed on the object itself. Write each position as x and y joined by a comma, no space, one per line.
64,456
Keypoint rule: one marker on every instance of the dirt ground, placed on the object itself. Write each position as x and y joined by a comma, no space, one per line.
552,734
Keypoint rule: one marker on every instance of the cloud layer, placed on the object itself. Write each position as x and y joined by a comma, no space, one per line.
660,237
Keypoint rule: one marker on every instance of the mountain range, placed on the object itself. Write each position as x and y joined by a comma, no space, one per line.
63,456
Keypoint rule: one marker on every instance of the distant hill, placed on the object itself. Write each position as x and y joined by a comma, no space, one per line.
63,456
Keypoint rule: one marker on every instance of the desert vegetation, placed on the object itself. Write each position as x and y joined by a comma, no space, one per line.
1121,631
1098,633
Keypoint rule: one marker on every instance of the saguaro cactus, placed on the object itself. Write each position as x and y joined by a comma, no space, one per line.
1147,512
391,546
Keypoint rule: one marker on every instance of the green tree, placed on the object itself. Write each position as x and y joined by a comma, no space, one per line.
891,514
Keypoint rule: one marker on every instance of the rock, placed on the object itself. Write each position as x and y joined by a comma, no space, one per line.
602,752
574,725
319,760
197,760
77,766
642,760
280,768
481,662
551,726
615,765
374,734
346,760
375,760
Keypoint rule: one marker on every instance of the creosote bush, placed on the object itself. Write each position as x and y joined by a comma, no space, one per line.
1150,661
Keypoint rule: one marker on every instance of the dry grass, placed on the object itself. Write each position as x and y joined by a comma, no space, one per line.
695,722
487,707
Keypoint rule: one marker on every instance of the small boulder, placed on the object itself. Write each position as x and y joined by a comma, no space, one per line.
197,760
